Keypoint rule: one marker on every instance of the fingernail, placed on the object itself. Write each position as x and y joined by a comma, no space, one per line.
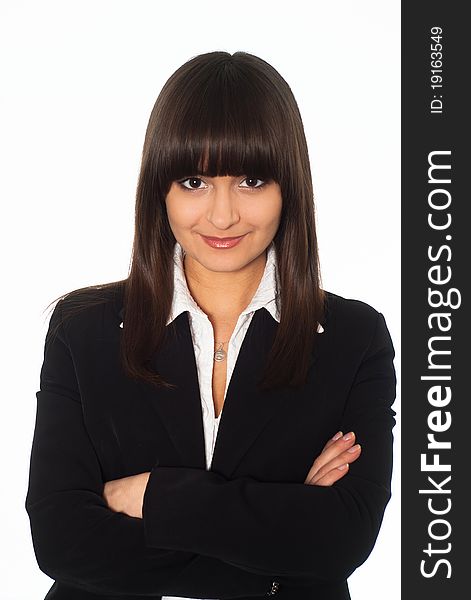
337,436
342,467
348,436
354,448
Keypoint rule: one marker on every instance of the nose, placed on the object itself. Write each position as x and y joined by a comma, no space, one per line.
223,211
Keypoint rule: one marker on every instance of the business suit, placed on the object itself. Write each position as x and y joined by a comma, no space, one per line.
249,526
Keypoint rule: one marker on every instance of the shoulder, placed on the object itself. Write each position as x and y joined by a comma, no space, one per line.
341,308
349,319
86,307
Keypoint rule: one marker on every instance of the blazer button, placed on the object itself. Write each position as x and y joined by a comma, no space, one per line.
275,586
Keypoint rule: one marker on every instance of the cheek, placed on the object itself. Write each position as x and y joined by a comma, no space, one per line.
267,214
181,214
277,210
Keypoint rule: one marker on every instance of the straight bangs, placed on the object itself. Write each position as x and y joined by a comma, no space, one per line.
222,123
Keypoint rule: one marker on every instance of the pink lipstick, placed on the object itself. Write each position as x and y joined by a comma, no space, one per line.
220,243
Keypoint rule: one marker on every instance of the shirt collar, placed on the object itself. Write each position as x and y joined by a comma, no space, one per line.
265,296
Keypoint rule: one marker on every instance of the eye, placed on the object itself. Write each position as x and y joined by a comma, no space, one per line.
252,182
193,183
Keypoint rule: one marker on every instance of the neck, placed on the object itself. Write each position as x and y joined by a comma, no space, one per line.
223,295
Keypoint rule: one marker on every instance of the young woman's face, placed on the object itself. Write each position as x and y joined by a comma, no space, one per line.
202,207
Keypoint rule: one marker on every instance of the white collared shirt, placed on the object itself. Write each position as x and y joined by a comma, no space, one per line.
203,340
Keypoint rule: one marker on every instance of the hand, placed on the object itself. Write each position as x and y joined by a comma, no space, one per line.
332,463
126,495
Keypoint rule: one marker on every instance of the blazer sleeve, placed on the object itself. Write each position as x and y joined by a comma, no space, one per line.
300,531
77,539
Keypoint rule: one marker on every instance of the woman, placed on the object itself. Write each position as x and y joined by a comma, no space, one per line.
216,425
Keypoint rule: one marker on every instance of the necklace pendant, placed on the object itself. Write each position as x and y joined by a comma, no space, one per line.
219,355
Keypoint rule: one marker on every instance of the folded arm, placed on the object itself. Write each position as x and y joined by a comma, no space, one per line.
301,531
77,539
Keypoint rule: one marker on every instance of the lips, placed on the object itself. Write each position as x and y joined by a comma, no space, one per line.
221,243
225,239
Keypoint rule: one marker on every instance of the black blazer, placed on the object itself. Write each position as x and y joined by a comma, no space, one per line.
249,526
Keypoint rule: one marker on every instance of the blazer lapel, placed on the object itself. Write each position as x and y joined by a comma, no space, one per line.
247,410
180,408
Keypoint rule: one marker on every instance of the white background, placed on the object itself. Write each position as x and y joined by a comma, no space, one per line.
78,82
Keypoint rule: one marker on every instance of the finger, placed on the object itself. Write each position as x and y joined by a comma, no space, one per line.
332,440
346,457
332,476
335,448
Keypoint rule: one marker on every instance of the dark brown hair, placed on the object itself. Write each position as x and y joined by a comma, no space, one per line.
222,114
